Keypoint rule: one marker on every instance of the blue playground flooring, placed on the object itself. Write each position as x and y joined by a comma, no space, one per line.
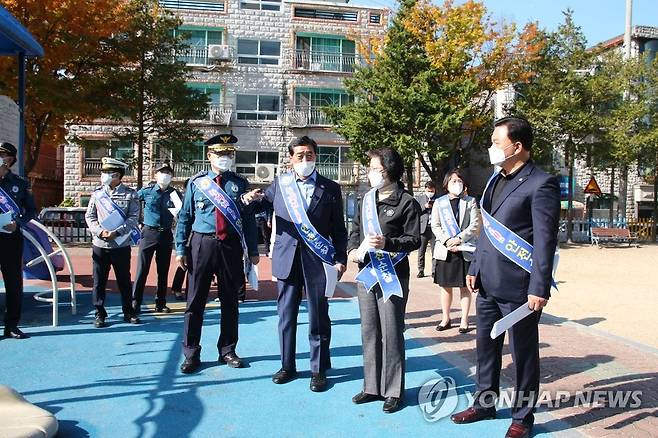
124,380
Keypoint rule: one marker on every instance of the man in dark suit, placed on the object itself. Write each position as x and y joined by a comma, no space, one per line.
296,266
526,200
426,201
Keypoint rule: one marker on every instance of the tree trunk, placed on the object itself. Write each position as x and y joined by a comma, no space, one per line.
612,196
655,204
569,197
410,178
623,182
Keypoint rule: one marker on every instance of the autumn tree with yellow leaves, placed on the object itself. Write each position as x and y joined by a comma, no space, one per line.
429,92
58,86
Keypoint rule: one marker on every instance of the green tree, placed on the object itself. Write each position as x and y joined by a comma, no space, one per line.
560,100
428,92
147,88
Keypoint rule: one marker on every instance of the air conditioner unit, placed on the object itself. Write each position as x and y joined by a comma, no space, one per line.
265,173
219,51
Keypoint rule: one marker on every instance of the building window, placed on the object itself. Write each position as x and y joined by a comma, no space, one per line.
247,161
325,53
263,5
209,5
198,41
333,163
375,18
310,102
323,14
95,150
257,107
259,52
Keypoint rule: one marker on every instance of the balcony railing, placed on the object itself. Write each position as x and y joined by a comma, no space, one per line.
208,5
321,61
220,114
349,173
300,116
184,169
194,56
92,167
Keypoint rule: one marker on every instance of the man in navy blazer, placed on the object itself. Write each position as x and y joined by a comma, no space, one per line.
296,267
526,200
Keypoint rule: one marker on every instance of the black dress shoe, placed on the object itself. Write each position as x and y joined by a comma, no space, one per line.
132,319
99,322
364,397
392,404
318,382
463,330
15,333
162,309
190,365
232,360
471,415
283,376
421,274
440,328
180,296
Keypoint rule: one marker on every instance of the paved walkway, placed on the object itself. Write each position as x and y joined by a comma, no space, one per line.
131,373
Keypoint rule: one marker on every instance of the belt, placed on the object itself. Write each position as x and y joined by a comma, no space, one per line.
161,229
229,236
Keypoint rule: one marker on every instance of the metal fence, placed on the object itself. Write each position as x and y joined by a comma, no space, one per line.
582,229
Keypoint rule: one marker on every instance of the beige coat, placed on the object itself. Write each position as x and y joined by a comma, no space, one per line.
469,223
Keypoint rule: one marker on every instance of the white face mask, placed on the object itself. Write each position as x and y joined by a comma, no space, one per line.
429,195
6,161
163,179
376,179
304,168
455,188
497,155
106,178
223,162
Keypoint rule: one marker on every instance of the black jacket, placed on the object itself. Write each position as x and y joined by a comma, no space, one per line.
399,218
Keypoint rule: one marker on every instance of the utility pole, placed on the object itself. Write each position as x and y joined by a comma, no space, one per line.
623,174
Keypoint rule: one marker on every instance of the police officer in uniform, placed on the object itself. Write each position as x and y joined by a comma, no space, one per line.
157,237
11,239
111,248
207,244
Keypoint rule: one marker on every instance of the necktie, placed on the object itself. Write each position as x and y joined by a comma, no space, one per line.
220,220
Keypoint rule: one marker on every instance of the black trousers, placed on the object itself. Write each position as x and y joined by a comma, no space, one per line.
158,243
11,266
426,238
208,256
266,233
119,259
306,273
524,345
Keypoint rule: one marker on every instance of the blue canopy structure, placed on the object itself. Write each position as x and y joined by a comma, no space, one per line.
15,40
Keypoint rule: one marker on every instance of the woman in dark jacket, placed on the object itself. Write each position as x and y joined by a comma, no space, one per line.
390,223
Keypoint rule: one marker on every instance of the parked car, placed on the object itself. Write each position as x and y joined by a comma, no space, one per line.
68,223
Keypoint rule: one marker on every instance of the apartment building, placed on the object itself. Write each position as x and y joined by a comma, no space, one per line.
269,66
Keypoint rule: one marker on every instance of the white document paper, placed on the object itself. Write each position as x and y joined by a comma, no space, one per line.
467,247
178,204
5,219
331,275
506,322
252,276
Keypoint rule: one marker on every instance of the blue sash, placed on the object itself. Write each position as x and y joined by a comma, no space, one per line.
506,241
381,268
223,203
448,220
107,206
316,242
7,203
